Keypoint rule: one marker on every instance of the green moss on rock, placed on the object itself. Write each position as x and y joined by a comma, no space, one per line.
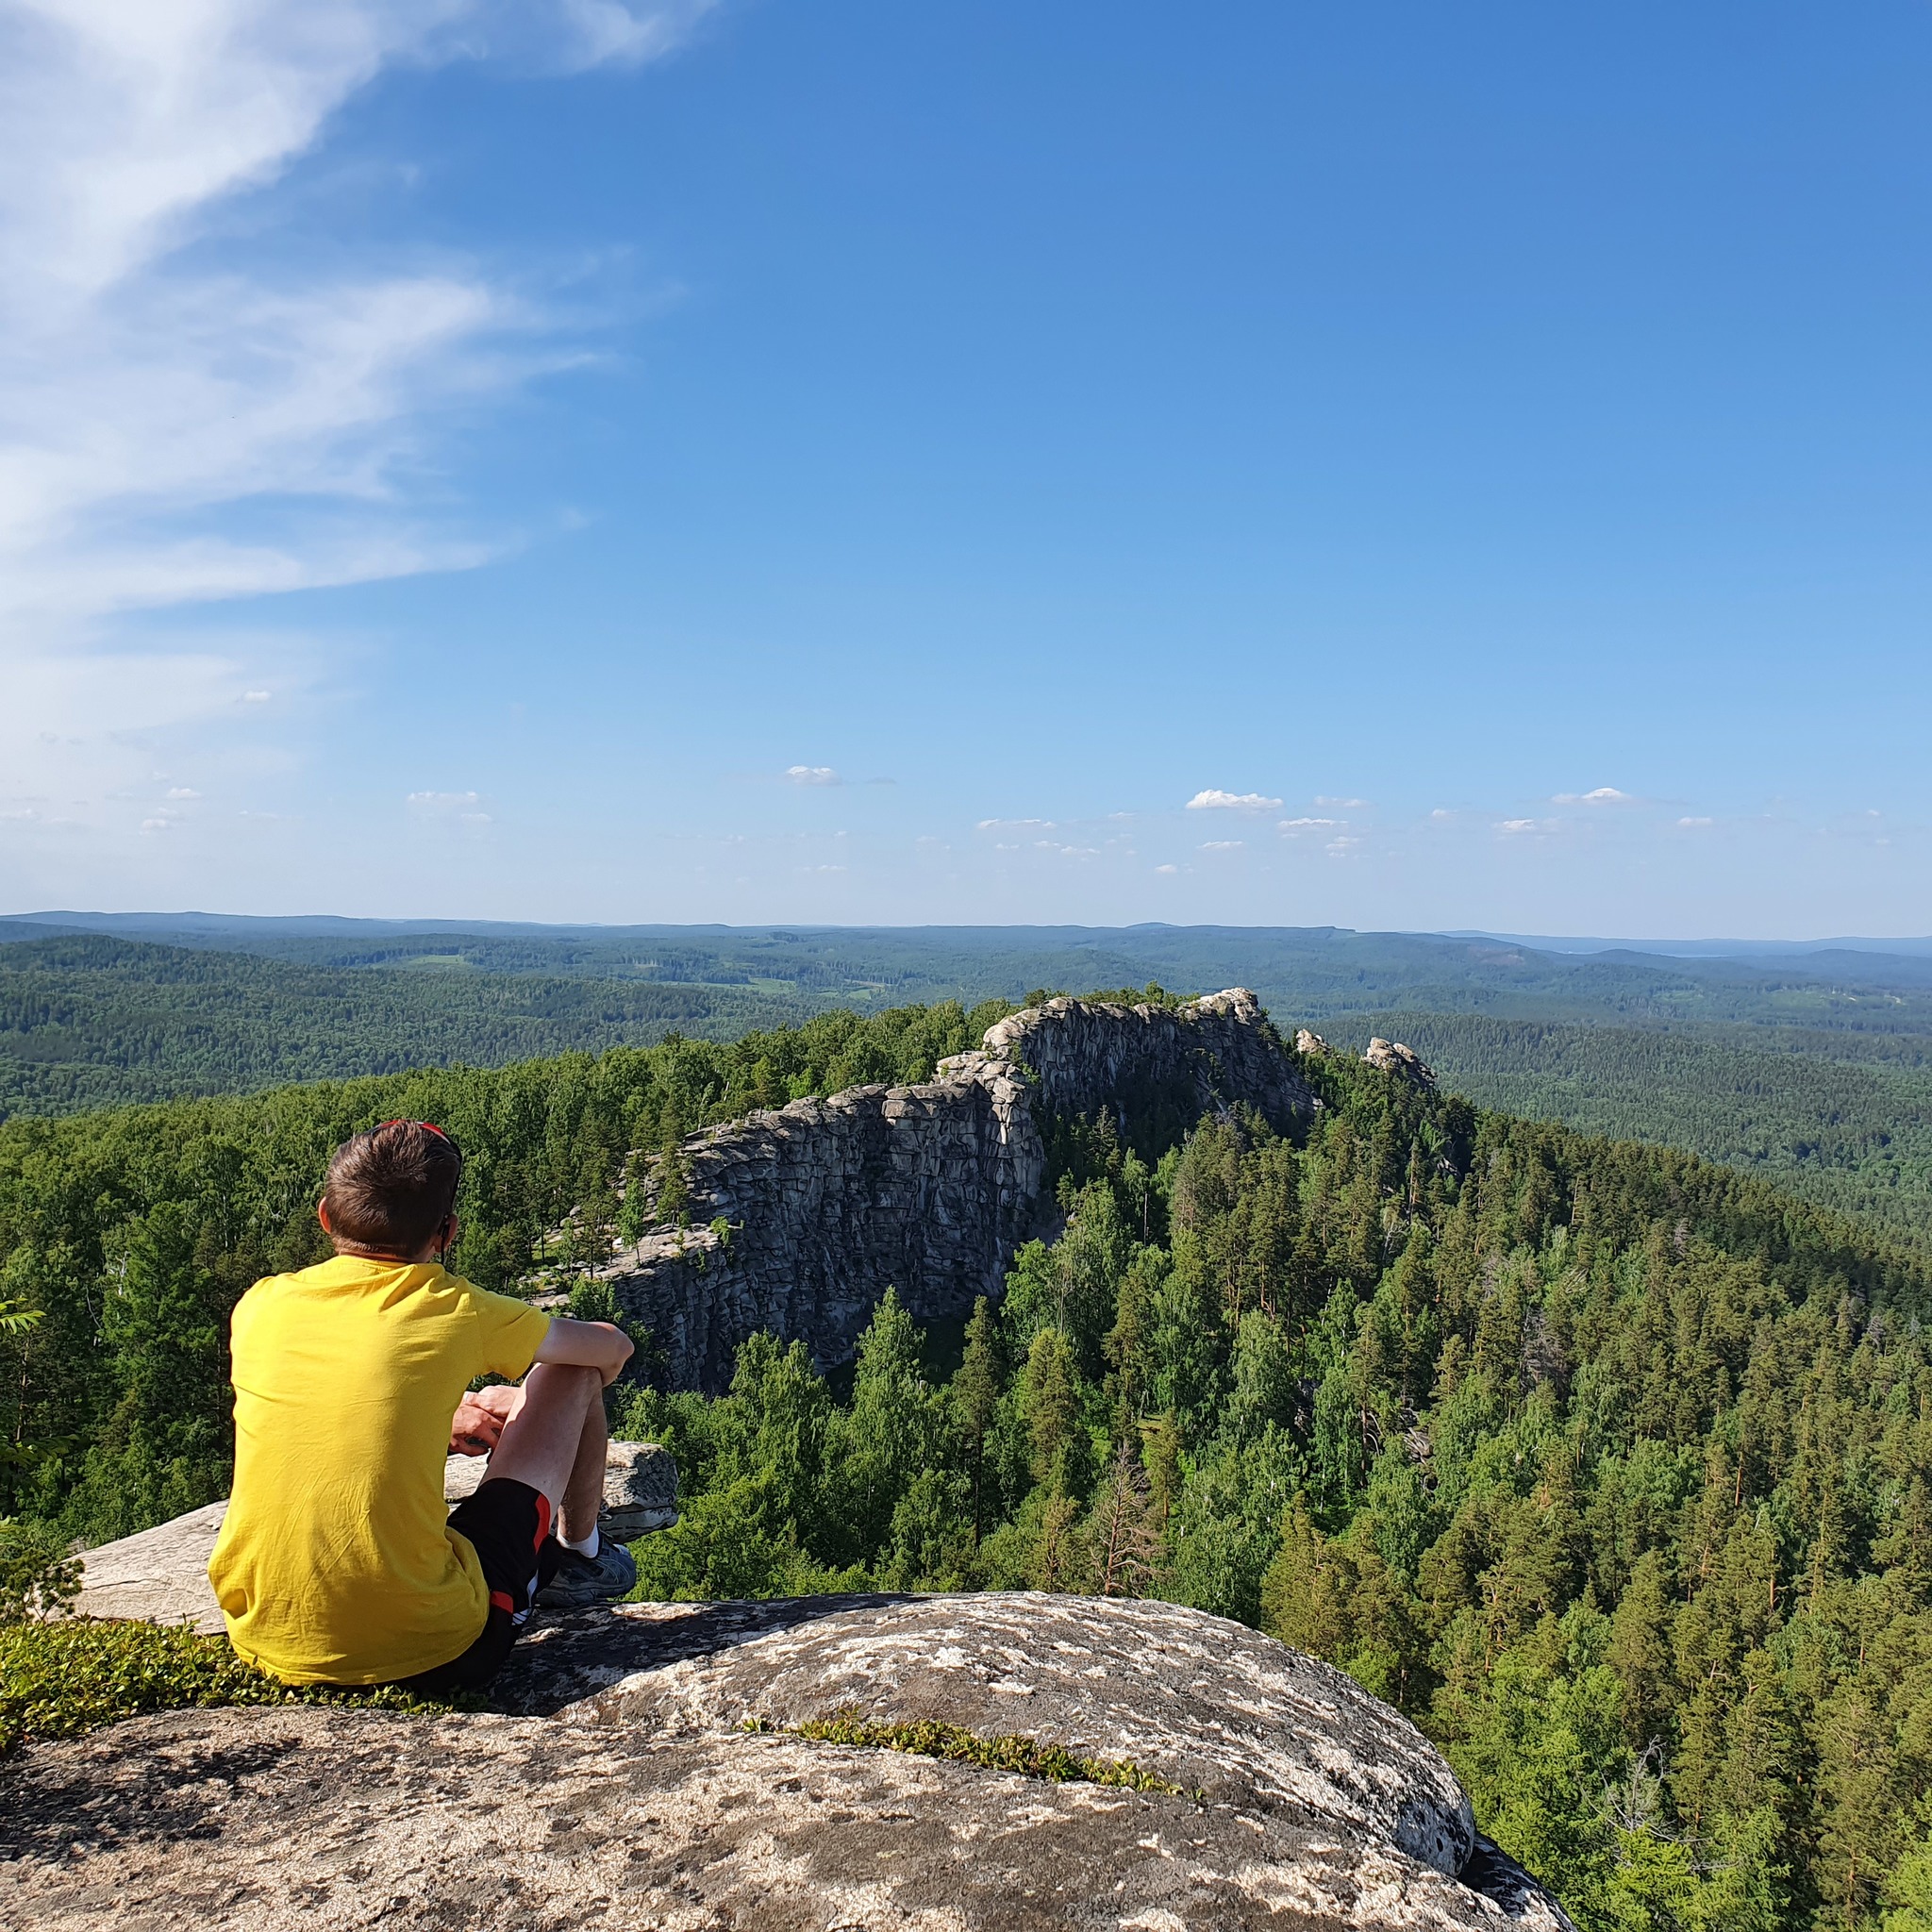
932,1737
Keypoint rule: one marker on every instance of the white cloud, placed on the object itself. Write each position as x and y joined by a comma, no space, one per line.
812,775
462,808
1232,801
1292,826
1604,794
1345,803
1167,871
256,697
1693,823
1225,846
1517,827
183,791
156,375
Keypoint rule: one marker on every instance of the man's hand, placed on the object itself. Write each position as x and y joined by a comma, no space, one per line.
480,1419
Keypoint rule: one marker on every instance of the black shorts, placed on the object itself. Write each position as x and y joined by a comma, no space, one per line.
507,1522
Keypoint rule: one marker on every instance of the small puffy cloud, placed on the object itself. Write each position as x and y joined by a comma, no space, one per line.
1690,825
812,775
1520,826
1167,871
1604,794
1345,803
255,697
1290,826
1232,801
1016,824
464,807
1441,812
1224,845
1341,848
155,824
183,791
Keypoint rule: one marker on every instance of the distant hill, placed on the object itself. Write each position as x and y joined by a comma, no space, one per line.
86,1021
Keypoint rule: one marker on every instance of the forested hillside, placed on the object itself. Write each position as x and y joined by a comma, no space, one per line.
1815,1072
1842,1116
1612,1467
92,1022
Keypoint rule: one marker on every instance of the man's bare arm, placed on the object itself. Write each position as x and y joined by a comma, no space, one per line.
587,1346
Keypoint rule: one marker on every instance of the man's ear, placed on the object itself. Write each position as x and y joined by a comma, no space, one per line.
322,1215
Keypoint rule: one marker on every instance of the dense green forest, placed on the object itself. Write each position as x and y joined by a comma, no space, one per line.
1610,1466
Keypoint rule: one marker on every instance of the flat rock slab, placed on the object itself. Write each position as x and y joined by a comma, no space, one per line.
294,1818
1206,1704
159,1577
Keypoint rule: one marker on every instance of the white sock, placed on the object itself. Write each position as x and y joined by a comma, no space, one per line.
588,1548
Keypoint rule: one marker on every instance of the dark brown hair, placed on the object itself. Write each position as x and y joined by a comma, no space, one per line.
392,1188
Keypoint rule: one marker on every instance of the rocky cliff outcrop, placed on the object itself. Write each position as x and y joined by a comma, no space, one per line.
927,1189
650,1774
1391,1057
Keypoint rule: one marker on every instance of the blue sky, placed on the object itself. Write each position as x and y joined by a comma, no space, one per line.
1398,467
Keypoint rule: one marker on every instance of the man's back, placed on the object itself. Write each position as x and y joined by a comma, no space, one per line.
335,1563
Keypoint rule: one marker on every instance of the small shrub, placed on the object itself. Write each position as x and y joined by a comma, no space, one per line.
61,1679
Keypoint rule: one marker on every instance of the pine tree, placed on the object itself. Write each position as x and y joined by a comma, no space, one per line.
974,1393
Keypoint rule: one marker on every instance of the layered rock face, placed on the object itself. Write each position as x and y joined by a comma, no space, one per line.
651,1776
926,1188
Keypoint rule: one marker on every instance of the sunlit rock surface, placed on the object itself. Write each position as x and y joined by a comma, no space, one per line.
624,1790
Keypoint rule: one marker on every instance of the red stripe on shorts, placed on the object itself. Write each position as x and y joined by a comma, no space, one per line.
542,1518
500,1600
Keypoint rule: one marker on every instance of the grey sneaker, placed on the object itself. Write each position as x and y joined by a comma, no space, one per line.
580,1580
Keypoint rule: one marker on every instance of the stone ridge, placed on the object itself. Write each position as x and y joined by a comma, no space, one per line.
927,1189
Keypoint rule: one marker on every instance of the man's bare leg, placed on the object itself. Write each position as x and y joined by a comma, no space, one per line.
583,1494
555,1440
548,1442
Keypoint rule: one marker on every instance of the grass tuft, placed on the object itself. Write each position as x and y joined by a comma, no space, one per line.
62,1679
932,1737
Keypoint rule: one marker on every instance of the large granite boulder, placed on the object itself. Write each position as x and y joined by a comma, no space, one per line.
647,1772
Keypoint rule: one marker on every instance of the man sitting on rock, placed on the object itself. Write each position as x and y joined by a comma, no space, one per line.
338,1561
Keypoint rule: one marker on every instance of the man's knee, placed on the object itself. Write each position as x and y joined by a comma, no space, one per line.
562,1385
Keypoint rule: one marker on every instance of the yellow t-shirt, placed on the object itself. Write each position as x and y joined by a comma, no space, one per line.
336,1563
